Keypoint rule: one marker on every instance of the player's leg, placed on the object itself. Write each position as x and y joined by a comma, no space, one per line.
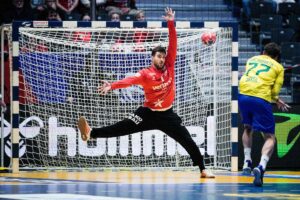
136,122
264,121
247,144
245,105
170,124
266,153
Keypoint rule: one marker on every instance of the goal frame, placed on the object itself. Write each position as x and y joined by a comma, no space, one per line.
123,24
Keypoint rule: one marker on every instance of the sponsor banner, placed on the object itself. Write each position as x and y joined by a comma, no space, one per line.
286,153
51,140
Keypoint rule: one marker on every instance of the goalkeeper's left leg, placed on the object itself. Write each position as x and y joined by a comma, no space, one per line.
170,123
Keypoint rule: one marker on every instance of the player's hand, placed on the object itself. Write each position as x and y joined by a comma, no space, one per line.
282,105
104,88
170,15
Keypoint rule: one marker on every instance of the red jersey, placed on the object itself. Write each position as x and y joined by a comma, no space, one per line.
159,85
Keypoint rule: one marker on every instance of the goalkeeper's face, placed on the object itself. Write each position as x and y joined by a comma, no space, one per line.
158,60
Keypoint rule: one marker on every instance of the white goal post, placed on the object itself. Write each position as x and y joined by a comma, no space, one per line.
61,64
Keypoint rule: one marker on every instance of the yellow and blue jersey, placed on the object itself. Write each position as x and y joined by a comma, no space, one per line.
263,78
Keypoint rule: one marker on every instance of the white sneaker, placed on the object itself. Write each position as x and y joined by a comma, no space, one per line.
207,174
247,168
84,128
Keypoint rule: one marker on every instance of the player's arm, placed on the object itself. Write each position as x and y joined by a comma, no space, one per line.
275,91
277,85
172,48
137,79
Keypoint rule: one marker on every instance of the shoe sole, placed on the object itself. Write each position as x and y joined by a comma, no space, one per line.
247,171
257,177
82,125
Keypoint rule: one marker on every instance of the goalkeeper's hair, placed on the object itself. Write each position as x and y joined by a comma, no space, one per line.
272,50
158,49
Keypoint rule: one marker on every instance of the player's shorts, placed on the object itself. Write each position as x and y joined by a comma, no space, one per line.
257,113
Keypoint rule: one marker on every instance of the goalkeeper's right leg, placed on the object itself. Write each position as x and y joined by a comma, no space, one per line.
84,128
136,122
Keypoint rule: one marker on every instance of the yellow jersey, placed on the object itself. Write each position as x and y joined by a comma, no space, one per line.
263,78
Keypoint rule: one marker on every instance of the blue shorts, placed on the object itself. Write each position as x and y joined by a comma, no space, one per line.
257,113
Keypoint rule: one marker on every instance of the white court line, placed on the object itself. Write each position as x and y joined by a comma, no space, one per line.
61,196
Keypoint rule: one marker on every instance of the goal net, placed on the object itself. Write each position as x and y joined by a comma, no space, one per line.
61,69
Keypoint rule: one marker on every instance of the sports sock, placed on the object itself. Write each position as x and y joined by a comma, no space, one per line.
247,153
263,161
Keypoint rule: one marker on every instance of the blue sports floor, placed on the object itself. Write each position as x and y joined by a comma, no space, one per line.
159,185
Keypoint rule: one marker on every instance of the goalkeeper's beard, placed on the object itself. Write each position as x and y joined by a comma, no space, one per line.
160,67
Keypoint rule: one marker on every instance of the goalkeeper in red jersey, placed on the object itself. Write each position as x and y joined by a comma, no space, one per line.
158,82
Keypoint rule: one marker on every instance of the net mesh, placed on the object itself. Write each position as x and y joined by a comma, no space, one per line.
61,69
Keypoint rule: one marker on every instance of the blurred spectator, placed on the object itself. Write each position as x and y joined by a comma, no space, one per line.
37,3
114,17
117,46
67,5
83,36
43,12
140,16
39,9
69,8
7,85
51,4
247,10
86,17
18,11
87,3
283,1
123,7
53,15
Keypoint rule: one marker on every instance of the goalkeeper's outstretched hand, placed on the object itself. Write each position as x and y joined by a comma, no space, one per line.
170,15
104,88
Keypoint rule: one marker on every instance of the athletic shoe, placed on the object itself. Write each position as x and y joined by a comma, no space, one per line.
84,128
258,173
247,167
207,174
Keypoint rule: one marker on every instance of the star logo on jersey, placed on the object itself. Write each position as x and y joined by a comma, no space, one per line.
158,103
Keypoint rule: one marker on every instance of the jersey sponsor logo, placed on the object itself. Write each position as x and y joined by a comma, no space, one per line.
135,118
163,85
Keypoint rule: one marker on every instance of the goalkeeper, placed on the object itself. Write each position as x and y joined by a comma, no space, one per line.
158,82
